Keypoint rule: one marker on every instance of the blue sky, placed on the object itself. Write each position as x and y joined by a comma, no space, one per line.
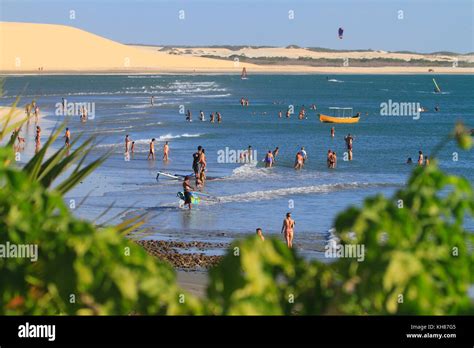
427,25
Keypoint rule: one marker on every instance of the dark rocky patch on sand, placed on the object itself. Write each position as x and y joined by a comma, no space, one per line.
175,253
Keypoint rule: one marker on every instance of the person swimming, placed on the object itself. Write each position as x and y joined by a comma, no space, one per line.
409,160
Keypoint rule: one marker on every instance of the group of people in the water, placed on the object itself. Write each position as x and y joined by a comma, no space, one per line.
199,169
213,117
244,101
423,160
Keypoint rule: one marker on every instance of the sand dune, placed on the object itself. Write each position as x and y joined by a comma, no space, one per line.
48,49
27,47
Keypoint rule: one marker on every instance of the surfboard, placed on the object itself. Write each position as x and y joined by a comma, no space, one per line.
194,198
171,176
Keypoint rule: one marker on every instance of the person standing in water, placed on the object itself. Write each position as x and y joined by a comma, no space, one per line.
211,118
280,115
299,161
288,229
304,154
127,142
275,153
333,132
219,117
201,115
166,151
420,158
133,147
189,117
68,138
268,159
152,100
38,136
152,150
259,233
349,139
187,190
196,161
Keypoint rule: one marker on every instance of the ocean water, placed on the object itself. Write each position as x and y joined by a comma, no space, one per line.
250,195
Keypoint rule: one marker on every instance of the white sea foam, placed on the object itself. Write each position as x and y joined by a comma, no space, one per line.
282,192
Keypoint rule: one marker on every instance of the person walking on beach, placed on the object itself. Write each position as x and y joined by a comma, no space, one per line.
349,139
152,150
259,233
268,159
127,142
166,151
333,132
288,230
420,158
196,161
68,138
187,190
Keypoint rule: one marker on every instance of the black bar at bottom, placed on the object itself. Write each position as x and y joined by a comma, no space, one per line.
140,330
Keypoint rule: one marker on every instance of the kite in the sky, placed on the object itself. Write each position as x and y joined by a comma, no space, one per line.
341,32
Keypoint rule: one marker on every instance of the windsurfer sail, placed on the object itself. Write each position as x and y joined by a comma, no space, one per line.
243,76
436,87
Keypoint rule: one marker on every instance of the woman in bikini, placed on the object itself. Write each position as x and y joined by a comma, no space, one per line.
288,230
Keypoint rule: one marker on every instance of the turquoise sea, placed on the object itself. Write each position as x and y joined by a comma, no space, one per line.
250,196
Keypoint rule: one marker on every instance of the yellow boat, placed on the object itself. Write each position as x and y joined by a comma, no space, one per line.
340,116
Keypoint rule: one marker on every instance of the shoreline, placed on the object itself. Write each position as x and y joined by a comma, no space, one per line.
277,70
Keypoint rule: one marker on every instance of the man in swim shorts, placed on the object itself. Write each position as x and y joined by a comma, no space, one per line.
288,229
268,159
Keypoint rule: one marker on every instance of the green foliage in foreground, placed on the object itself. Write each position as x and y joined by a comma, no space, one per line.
415,247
